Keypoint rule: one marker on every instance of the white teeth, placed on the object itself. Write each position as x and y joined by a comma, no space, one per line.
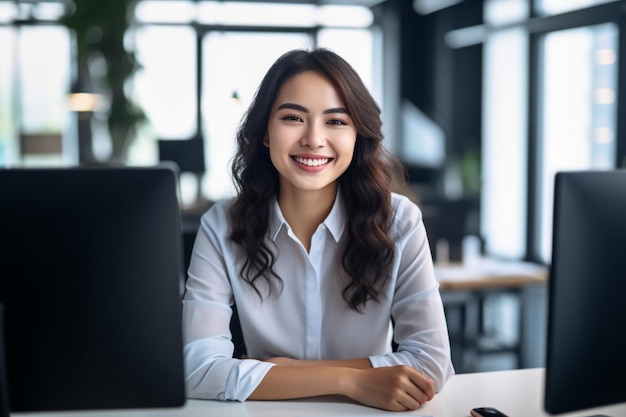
311,162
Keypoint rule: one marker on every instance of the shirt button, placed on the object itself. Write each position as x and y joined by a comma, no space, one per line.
221,396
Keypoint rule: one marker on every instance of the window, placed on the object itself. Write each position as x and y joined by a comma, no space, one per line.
165,87
549,104
577,129
504,145
34,101
230,82
8,128
505,132
231,44
551,7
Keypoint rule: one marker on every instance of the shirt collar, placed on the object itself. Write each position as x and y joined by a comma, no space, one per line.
335,222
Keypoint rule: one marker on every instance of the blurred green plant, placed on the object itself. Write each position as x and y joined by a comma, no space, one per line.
101,32
470,166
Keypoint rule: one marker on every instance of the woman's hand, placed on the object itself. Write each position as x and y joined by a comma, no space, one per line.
394,388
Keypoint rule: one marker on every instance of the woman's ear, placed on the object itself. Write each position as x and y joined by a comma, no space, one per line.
266,141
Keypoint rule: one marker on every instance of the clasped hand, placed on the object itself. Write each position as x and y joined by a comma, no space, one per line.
395,388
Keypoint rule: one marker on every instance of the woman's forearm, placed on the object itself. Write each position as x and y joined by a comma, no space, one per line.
288,382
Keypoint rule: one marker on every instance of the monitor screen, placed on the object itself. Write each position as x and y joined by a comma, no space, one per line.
90,280
586,349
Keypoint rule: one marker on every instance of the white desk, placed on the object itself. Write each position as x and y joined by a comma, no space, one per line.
518,393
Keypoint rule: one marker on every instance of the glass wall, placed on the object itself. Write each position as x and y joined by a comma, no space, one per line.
34,85
551,7
505,131
194,55
8,128
235,43
43,85
577,129
549,104
230,81
504,145
165,87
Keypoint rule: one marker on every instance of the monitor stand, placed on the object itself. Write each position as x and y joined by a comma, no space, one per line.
4,389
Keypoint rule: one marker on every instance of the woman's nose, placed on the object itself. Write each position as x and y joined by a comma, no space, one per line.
313,137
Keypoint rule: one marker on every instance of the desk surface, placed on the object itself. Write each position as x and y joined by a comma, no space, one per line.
485,273
518,393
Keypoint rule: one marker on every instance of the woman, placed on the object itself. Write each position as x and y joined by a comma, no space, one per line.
317,253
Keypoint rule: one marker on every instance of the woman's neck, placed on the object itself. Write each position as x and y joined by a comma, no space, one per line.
305,210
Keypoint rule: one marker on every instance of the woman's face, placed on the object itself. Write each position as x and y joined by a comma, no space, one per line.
310,134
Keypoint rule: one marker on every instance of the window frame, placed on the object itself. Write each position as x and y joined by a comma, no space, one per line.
536,28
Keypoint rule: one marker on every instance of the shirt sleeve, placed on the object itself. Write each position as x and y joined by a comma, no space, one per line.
420,328
210,370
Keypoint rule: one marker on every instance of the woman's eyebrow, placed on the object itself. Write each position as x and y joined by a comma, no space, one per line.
303,109
293,106
336,110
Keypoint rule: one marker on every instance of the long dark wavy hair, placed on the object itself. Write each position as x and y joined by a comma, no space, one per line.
365,186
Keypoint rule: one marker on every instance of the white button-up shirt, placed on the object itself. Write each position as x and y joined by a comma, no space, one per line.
308,318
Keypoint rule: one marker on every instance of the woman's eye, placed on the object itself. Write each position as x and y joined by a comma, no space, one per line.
336,122
293,118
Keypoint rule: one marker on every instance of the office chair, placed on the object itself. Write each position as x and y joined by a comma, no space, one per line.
188,155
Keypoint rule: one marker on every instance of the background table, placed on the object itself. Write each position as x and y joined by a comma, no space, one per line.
465,289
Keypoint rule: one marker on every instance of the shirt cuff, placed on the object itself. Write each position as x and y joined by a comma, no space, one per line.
244,377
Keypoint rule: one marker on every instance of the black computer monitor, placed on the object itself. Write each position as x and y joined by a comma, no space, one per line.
4,391
90,279
586,341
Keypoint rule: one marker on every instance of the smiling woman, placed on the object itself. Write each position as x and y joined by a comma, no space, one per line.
326,258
